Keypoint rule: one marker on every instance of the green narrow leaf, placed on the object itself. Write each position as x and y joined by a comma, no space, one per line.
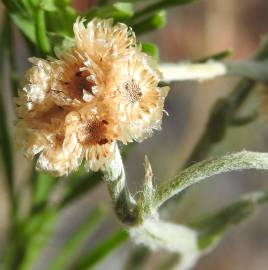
238,121
102,250
78,187
27,6
12,5
102,2
159,5
26,25
119,11
169,263
43,184
216,56
60,21
40,32
151,49
72,246
125,8
60,41
11,52
154,22
212,227
6,145
78,174
172,3
126,149
48,5
137,258
38,230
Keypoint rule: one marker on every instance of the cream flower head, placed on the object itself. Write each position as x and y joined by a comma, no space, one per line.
134,86
101,90
103,41
34,95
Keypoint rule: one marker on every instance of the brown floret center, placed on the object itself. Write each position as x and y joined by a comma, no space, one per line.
93,133
132,91
78,83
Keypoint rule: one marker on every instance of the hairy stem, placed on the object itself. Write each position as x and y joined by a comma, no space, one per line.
211,69
208,168
175,238
190,71
115,178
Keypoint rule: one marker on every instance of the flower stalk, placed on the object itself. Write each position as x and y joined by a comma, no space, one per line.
189,242
115,178
188,71
142,218
210,70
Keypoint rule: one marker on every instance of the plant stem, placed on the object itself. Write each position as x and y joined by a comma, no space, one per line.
204,169
124,203
176,238
205,71
192,71
188,243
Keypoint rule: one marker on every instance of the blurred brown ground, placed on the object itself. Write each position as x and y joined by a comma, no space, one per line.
192,32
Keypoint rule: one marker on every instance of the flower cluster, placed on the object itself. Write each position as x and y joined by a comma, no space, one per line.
101,90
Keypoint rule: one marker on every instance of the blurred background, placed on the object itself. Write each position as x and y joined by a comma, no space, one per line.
191,32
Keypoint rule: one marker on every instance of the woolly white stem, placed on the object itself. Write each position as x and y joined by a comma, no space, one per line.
212,69
180,239
115,178
114,174
189,71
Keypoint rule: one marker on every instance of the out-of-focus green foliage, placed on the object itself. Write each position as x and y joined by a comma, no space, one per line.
6,145
36,232
101,250
118,11
159,5
153,22
42,185
212,227
151,49
73,245
216,56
